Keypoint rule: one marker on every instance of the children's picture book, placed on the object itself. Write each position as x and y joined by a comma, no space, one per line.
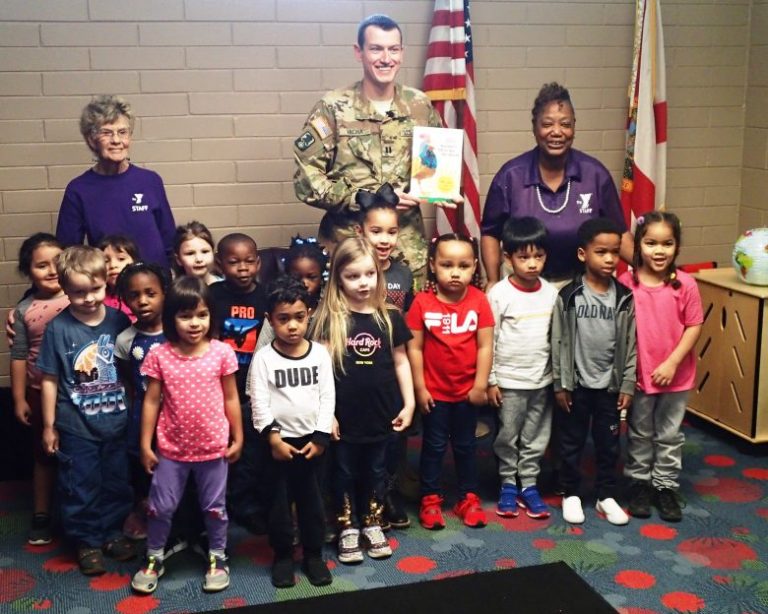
436,166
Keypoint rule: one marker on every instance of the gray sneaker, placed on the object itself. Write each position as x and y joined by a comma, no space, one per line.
217,576
145,580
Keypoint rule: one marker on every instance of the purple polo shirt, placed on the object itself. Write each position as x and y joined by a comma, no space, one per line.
132,203
513,194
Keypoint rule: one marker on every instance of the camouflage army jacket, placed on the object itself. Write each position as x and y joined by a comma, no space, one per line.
346,146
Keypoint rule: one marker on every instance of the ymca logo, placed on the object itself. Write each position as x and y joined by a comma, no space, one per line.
449,323
138,207
583,202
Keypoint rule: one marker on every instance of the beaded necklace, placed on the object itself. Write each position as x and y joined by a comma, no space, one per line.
561,207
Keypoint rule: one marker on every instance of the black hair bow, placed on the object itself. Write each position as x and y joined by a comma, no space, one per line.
384,195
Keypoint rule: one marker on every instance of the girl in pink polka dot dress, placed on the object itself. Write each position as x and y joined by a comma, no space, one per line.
191,405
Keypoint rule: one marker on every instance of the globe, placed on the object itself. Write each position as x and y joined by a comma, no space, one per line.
750,256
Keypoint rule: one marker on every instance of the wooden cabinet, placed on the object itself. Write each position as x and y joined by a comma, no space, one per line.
732,355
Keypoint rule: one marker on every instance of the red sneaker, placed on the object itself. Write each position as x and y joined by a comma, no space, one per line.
470,511
430,514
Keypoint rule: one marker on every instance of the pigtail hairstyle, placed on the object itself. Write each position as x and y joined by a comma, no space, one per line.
332,321
306,248
641,228
476,281
137,268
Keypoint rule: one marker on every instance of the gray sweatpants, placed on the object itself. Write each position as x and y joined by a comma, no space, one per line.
655,446
526,421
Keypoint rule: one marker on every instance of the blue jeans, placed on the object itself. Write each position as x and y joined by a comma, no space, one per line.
360,465
94,486
454,422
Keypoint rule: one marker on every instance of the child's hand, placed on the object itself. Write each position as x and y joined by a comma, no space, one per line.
148,460
282,451
563,400
233,451
478,396
424,401
335,432
311,450
494,396
664,373
625,402
403,420
50,440
23,413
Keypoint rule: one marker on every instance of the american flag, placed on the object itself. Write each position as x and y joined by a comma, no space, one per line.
449,82
643,186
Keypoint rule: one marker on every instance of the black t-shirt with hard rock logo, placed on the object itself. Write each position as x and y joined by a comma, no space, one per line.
367,395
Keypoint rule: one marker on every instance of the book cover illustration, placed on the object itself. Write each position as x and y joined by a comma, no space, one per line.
436,163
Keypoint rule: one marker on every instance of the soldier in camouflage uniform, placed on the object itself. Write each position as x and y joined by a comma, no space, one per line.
359,137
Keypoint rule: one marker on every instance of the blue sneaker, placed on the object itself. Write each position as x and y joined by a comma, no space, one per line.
507,505
530,499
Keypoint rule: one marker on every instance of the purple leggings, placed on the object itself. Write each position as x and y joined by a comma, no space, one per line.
168,482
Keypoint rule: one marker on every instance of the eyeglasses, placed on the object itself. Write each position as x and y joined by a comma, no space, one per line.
108,135
377,51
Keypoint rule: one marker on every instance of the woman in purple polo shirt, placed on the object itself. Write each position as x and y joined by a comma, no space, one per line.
555,183
115,196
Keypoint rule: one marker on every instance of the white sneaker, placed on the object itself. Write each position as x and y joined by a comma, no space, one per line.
376,543
349,547
612,511
572,510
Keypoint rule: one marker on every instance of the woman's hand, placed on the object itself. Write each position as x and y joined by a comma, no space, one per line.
335,432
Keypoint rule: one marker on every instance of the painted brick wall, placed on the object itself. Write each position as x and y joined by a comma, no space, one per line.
754,177
221,88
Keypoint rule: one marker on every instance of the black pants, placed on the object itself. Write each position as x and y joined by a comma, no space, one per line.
246,497
294,481
598,409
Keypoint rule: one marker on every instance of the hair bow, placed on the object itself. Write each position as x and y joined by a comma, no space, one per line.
384,195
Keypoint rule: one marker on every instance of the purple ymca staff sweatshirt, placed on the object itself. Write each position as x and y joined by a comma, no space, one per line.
132,203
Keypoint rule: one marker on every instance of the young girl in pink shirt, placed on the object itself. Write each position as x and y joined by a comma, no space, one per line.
192,399
669,317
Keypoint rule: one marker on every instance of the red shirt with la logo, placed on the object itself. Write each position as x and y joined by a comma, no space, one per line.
450,341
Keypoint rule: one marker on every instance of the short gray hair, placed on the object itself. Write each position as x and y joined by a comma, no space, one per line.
105,109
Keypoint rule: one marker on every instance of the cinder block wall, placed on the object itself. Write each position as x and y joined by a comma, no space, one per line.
754,177
221,88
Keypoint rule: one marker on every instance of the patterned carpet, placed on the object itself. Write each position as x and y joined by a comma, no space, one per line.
716,560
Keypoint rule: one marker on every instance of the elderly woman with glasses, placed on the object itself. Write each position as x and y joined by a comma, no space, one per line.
115,196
